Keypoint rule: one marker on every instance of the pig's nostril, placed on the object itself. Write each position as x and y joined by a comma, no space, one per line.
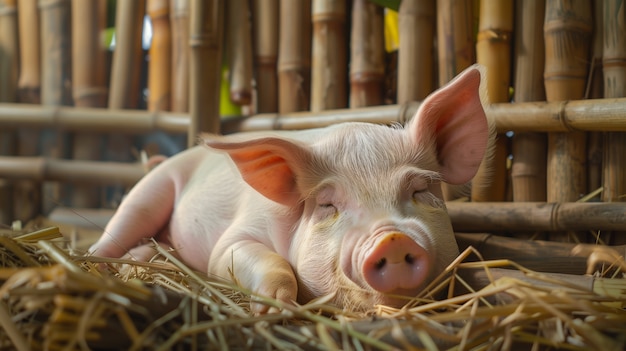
380,263
409,259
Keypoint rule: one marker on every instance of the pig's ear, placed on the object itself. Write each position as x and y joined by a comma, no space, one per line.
269,165
454,119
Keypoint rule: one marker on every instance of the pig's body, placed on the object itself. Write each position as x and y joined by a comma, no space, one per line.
354,209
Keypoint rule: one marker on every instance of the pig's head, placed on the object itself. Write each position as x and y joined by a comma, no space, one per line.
372,221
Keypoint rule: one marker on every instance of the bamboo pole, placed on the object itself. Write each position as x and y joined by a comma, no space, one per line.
582,115
528,171
614,65
478,278
294,56
205,39
455,45
329,67
417,24
265,17
541,256
75,171
367,57
56,52
596,91
56,74
126,68
536,216
238,46
27,194
179,18
160,67
89,75
9,46
127,57
123,122
455,37
29,85
493,50
567,31
9,68
89,71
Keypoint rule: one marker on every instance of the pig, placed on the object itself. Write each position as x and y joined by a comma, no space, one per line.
353,210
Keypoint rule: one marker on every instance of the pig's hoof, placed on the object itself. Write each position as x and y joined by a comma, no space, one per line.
285,294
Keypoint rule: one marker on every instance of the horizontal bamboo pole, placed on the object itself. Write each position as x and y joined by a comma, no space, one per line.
563,116
91,119
478,278
74,171
536,216
538,255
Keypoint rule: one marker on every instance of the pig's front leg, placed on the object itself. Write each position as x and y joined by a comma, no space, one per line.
256,267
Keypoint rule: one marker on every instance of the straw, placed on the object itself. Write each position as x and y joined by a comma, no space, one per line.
165,305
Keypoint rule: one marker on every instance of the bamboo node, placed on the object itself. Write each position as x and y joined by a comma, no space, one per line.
496,35
562,116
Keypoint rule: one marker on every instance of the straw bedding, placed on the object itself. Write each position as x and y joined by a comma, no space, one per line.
53,298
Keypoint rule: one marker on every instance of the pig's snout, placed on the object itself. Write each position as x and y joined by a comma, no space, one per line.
396,264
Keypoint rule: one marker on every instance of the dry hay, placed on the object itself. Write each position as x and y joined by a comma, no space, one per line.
53,299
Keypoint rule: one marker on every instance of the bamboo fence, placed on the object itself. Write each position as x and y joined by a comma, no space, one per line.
297,64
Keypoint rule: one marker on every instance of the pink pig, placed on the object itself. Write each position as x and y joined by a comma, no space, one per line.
353,209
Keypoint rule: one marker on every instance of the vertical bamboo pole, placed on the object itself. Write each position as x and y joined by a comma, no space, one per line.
265,15
55,82
455,46
9,51
30,65
179,18
329,68
205,38
294,56
127,57
126,67
238,48
567,31
614,64
89,74
27,194
493,50
160,66
9,68
455,37
415,56
528,172
596,91
367,66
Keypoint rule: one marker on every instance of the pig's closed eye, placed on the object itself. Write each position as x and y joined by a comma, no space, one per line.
326,210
